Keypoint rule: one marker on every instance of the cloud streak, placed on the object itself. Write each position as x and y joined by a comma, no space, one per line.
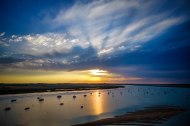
2,34
109,25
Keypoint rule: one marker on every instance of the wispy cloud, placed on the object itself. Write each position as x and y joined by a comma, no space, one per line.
3,43
105,27
2,34
108,25
38,44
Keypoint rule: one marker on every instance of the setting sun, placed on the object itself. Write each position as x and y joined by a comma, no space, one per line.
98,72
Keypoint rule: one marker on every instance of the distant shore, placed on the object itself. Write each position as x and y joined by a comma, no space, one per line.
33,88
164,85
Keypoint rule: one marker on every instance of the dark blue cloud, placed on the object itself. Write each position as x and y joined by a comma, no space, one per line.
9,60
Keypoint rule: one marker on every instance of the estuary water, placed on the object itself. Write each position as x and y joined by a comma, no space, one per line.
90,105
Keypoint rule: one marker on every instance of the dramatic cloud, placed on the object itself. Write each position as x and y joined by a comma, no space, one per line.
110,25
127,37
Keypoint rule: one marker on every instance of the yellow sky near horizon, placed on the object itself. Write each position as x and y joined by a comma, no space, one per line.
80,76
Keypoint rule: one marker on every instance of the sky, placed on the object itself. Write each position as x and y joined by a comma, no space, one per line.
95,41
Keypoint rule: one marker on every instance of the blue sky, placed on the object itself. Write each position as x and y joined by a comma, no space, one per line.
144,39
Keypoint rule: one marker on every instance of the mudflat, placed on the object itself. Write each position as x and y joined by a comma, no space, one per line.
148,116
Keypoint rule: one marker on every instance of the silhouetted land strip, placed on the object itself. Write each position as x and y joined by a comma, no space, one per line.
147,117
32,88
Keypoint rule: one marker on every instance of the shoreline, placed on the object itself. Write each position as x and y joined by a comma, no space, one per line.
148,116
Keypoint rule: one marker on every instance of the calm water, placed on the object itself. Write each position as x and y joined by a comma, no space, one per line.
96,105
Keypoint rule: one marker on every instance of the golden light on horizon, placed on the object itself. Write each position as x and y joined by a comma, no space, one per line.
75,76
29,76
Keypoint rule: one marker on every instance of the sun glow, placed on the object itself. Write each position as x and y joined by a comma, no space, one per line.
98,72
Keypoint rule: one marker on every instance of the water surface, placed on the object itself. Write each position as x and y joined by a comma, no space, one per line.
96,105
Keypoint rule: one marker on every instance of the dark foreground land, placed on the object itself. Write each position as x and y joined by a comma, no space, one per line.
32,88
147,117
